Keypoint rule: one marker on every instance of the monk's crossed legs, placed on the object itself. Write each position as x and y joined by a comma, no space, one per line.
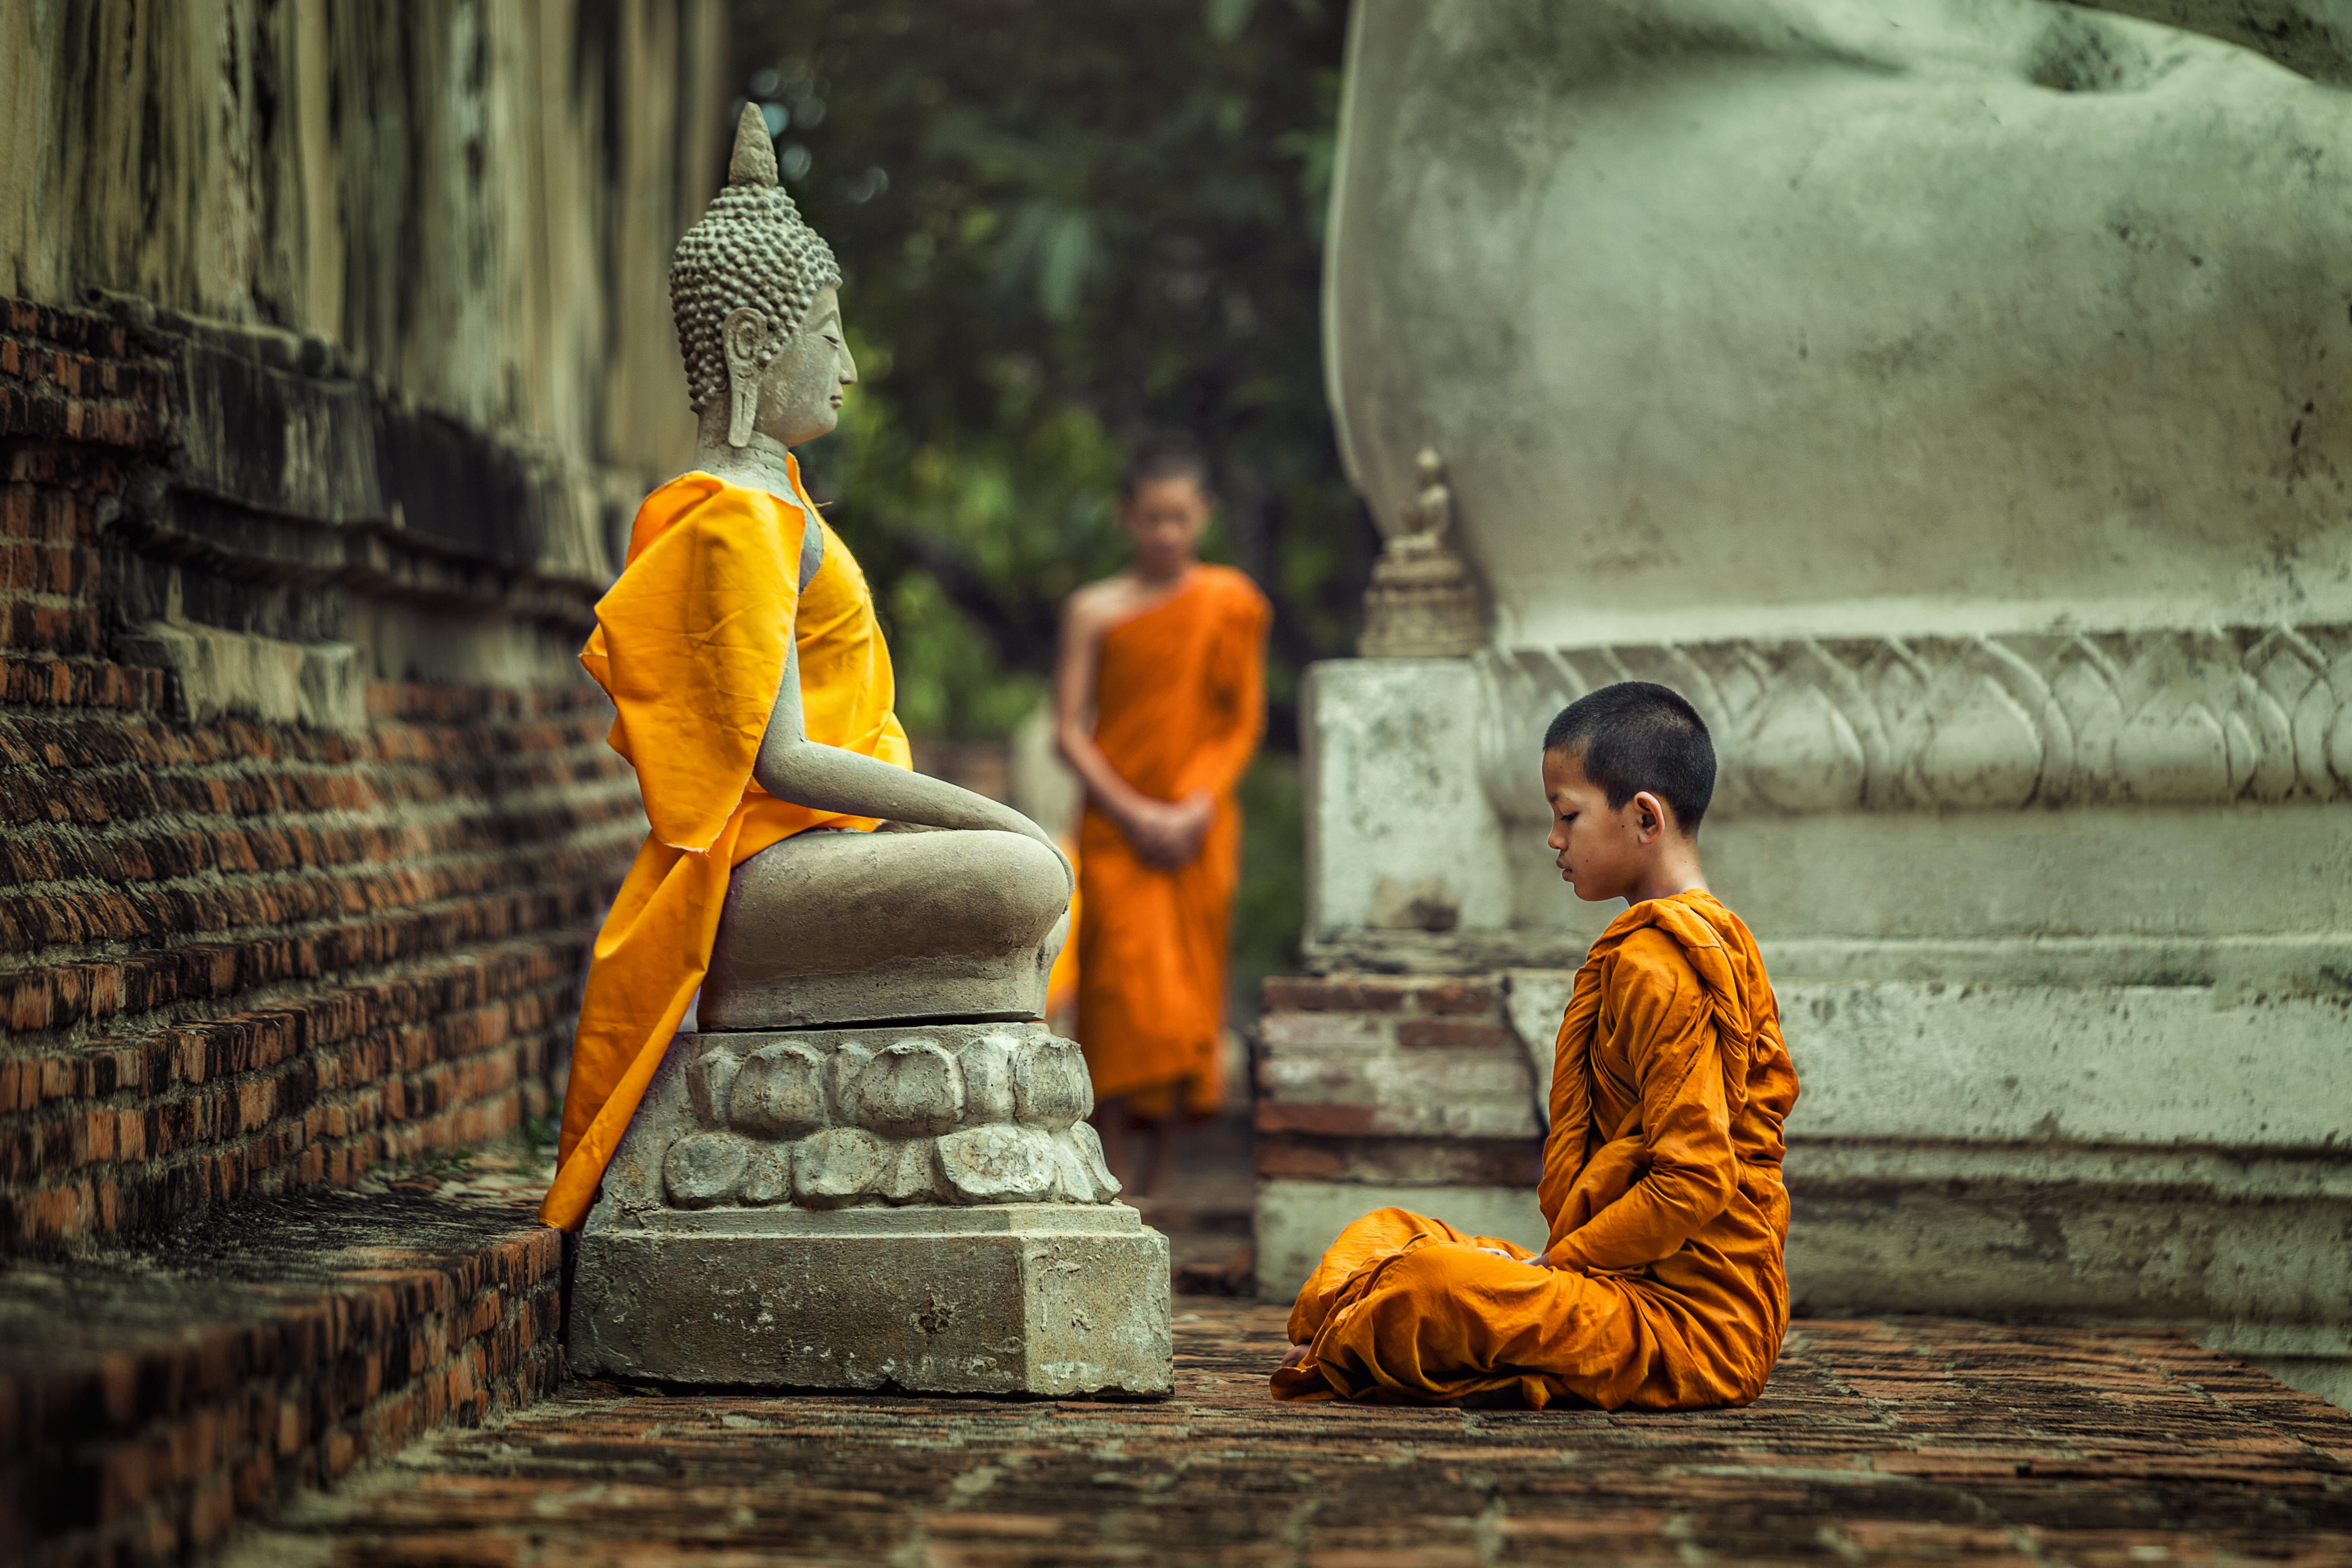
1405,1305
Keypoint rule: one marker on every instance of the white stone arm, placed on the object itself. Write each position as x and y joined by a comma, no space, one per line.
792,767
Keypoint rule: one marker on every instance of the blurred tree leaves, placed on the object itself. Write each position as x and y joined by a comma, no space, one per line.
1064,222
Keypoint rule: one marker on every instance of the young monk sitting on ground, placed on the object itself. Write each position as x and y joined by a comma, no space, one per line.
1661,1287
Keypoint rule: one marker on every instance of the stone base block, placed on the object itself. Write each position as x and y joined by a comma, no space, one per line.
1038,1298
2245,1252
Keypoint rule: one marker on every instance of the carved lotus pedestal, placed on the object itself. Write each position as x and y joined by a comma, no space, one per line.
921,1206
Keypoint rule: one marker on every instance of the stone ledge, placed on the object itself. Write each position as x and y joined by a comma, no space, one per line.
1049,1299
215,673
149,1399
122,1134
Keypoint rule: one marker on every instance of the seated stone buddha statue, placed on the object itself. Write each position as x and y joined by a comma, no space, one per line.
788,877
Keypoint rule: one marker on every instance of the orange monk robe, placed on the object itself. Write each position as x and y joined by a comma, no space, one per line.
1661,1186
690,644
1179,705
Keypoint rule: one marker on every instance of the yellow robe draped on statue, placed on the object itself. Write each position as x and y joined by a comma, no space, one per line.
1661,1184
1179,705
690,644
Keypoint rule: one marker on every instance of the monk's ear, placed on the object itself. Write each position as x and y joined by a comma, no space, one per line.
1650,818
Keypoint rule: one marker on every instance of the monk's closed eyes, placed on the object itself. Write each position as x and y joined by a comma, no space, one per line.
1662,1286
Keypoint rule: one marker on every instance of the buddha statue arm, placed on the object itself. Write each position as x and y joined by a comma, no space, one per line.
792,767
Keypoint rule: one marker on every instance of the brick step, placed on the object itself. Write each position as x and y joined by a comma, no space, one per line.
151,1399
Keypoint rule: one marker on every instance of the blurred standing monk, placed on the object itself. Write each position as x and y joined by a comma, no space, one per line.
1161,701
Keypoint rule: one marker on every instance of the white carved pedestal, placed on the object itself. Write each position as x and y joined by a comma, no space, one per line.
921,1206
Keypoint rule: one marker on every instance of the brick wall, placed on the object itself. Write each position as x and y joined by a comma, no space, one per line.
256,1352
1383,1078
1377,1089
253,954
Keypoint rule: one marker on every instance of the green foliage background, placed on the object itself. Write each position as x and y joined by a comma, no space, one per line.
1063,224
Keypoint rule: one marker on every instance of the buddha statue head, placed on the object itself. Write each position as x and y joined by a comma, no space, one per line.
752,287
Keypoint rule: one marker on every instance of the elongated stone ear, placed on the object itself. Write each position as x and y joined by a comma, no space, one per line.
745,392
747,352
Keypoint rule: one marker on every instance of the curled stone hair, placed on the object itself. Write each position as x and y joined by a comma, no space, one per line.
750,248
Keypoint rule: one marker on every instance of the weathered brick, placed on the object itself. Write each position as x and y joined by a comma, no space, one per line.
146,867
1453,997
1346,1119
2142,1449
219,1421
1329,1031
1454,1033
1418,1162
1298,994
1456,1092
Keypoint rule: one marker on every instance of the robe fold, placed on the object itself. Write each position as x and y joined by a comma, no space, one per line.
1179,707
1662,1188
691,643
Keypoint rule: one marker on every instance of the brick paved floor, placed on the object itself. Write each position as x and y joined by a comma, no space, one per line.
1882,1442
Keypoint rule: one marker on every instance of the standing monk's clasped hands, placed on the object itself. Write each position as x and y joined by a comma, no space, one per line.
1168,832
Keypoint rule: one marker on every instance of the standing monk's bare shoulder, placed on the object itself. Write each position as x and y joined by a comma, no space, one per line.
1099,606
1095,608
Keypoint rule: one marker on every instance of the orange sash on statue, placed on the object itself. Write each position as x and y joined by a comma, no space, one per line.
690,646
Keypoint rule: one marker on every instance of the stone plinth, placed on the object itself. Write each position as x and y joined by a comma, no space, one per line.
921,1206
1044,1299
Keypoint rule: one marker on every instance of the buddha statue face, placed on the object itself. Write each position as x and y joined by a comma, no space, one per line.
793,391
752,287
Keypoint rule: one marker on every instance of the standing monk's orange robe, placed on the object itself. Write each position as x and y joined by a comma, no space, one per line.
690,644
1661,1186
1179,705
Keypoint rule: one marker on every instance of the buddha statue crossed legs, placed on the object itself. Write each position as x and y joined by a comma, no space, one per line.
870,1163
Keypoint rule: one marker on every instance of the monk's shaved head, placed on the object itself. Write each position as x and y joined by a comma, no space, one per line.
1637,735
1167,456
